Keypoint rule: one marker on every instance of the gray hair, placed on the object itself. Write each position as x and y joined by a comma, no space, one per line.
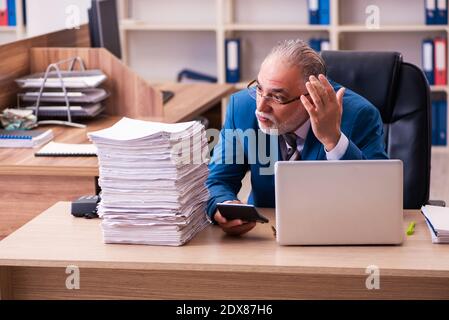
299,54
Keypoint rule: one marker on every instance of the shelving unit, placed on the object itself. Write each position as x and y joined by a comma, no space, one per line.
160,38
12,33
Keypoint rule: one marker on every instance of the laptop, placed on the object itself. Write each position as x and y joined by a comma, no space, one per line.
339,202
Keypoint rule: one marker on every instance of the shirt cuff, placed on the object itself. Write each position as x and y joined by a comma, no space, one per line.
339,150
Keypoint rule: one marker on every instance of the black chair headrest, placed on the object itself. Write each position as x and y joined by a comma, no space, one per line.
373,75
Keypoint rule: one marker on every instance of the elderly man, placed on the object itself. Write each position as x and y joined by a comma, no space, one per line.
312,117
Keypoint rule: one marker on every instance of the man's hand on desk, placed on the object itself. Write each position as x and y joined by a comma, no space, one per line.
235,227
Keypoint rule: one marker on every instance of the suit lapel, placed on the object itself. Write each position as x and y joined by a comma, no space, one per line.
313,149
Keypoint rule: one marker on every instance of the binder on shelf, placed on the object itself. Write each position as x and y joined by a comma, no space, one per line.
442,123
315,44
3,13
232,58
319,44
440,61
12,13
325,45
431,11
324,12
435,131
441,12
313,6
24,12
427,60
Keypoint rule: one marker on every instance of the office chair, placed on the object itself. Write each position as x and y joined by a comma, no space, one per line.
401,93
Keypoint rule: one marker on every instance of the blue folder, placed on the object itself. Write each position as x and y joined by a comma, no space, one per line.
315,44
428,53
441,12
435,131
232,57
442,122
313,6
324,12
431,11
12,13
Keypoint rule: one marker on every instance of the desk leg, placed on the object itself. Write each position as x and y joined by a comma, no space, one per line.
5,283
24,197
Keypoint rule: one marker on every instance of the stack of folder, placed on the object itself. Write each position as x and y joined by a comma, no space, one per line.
436,12
85,97
152,177
437,219
434,60
319,11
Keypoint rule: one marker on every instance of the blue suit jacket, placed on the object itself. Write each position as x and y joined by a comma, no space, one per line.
361,123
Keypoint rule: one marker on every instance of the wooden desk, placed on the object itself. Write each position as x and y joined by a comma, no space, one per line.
29,185
33,263
192,100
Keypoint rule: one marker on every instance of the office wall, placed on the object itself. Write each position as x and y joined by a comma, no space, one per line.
44,16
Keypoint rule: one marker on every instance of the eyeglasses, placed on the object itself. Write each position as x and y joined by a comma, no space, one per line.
255,90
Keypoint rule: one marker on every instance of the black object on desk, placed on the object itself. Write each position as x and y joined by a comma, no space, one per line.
244,212
167,95
85,207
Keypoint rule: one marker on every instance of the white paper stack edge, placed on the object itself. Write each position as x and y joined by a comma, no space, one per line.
152,177
437,219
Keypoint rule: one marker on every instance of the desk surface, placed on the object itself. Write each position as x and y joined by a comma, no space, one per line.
56,239
189,101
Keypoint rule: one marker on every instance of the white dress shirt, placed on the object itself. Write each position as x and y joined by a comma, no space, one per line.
335,154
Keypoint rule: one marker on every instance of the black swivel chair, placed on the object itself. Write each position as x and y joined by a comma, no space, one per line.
401,93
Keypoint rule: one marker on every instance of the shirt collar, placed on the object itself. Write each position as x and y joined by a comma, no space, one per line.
303,130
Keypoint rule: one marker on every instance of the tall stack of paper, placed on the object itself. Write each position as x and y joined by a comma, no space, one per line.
152,177
437,219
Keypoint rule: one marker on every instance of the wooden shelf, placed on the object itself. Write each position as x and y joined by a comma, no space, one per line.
440,149
393,28
8,28
439,88
275,27
228,18
144,26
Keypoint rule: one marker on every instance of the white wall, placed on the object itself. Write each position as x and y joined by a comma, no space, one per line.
45,16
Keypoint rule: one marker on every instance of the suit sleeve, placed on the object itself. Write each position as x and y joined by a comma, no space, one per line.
366,140
225,173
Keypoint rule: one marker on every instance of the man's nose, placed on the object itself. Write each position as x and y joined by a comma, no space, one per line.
263,104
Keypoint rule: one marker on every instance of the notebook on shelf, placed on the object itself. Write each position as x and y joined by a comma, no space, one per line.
56,149
24,138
